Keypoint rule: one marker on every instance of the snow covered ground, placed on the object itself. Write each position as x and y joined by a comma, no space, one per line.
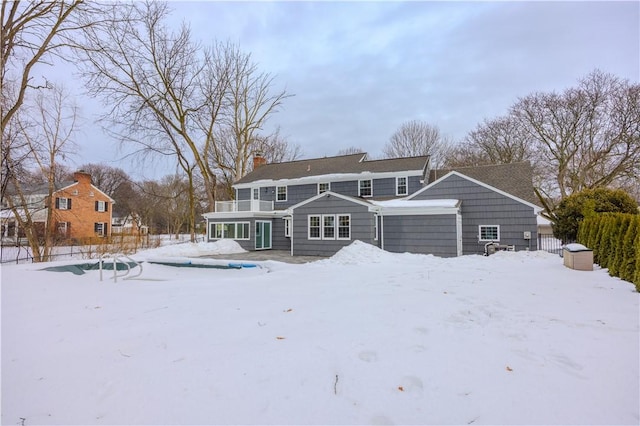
365,337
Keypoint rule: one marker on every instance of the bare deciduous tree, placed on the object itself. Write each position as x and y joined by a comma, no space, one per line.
35,32
416,138
588,135
171,96
46,129
585,137
274,148
249,104
351,150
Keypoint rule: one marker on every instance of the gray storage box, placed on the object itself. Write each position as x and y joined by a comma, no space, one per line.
578,257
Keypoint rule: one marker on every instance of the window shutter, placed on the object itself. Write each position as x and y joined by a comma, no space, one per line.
96,205
106,206
57,203
68,203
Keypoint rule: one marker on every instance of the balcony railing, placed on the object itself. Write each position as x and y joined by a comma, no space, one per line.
244,206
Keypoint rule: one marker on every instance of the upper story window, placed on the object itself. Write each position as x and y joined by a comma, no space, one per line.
365,188
63,203
255,194
281,193
402,186
324,187
489,232
101,206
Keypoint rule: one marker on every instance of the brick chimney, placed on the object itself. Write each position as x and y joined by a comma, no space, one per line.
82,177
258,160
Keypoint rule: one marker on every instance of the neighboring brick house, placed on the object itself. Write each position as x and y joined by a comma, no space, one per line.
81,210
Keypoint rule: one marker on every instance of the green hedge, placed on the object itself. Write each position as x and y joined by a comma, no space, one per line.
615,241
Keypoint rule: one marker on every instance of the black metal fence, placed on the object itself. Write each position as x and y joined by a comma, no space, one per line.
20,252
548,242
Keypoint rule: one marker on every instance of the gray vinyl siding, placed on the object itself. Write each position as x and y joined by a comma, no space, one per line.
415,184
386,188
349,188
382,188
278,240
483,206
426,234
362,226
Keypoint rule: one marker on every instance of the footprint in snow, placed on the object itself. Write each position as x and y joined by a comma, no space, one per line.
381,420
411,384
368,356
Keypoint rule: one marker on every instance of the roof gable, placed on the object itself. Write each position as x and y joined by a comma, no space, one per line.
329,194
514,179
477,182
339,165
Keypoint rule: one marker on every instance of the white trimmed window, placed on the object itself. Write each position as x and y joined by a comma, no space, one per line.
101,206
324,187
365,188
62,228
281,193
287,226
314,227
63,203
489,233
230,230
328,227
255,194
344,227
402,185
100,228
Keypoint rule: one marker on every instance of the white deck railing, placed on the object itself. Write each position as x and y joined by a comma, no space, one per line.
244,206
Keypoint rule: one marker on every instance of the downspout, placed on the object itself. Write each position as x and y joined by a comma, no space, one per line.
381,230
291,233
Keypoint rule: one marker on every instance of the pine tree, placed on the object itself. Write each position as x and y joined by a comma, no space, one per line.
627,268
603,244
617,239
636,279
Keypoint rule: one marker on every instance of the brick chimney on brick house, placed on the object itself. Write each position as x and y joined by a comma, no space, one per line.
258,160
82,177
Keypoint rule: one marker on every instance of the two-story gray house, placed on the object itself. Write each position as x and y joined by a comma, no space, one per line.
317,206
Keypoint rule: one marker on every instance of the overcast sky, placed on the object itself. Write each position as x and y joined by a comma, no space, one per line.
358,70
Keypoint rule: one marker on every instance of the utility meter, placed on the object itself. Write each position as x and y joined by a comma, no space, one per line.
527,235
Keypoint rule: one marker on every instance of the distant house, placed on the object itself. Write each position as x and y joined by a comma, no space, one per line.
130,224
80,210
317,206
